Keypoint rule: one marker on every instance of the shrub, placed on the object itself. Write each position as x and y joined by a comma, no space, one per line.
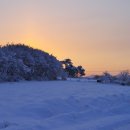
105,78
124,78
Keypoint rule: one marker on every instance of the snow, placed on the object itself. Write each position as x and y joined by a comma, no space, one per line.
64,105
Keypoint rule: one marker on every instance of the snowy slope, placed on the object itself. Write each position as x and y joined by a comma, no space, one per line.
64,105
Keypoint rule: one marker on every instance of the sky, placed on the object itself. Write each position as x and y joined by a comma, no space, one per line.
93,33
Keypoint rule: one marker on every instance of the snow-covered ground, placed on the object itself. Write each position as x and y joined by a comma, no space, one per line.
64,105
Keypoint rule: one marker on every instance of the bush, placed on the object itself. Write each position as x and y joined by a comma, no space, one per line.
124,78
105,78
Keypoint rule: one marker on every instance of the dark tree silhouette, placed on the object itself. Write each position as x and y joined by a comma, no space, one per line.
66,63
72,70
81,71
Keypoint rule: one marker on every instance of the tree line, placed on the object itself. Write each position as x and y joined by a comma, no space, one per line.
21,62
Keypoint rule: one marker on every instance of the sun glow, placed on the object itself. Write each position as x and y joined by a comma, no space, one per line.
95,36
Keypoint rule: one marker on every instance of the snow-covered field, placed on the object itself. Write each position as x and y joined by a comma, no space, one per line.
64,105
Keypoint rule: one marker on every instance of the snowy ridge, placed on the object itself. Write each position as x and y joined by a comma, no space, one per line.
64,105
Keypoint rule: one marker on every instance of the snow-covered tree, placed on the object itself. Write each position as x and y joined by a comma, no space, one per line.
20,62
124,77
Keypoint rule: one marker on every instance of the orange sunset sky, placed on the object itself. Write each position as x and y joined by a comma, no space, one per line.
93,33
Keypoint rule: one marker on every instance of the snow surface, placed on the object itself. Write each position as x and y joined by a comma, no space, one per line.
64,105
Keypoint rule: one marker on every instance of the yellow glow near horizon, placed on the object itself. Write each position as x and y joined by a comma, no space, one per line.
94,34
